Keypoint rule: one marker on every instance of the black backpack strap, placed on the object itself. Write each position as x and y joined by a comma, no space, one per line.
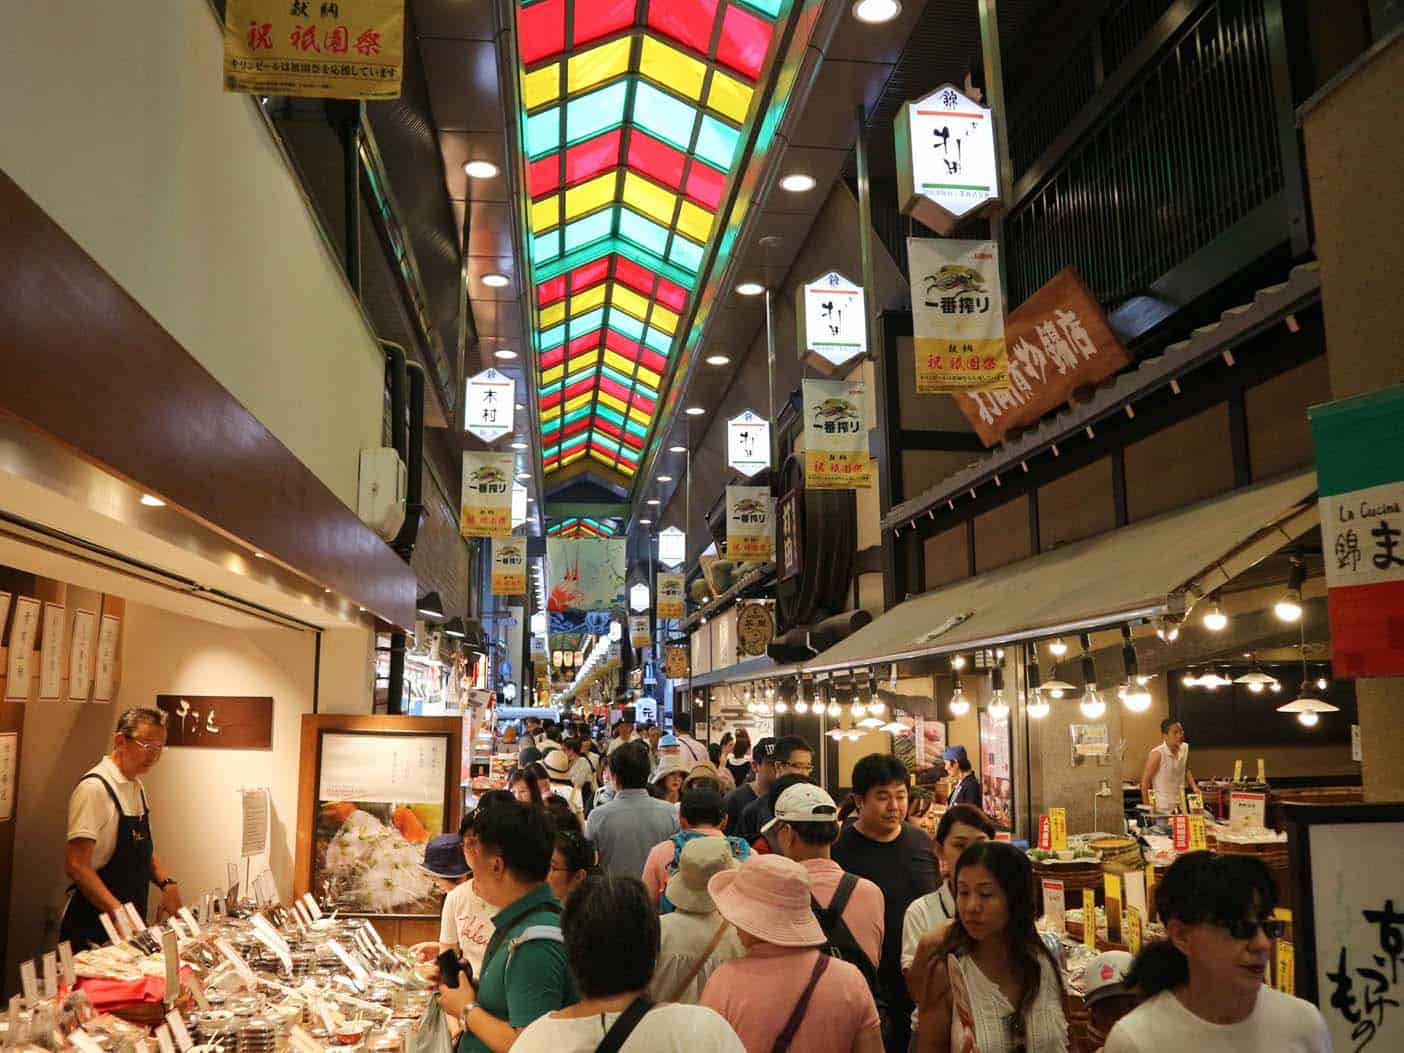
787,1033
624,1026
843,894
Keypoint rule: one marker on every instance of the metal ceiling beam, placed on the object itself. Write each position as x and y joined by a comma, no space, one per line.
585,510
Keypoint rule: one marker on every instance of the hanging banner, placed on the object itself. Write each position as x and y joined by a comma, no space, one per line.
946,163
1058,341
519,505
833,320
748,444
486,506
318,49
584,574
835,436
672,547
488,409
676,661
638,630
671,596
749,536
1362,528
957,315
509,566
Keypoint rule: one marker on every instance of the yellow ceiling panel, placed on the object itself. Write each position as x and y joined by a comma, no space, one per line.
649,199
619,362
545,213
664,319
598,65
541,86
729,97
695,222
672,69
649,377
628,300
579,400
589,196
587,300
613,403
552,315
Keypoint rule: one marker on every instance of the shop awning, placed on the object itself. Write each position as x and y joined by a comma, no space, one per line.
1157,567
751,669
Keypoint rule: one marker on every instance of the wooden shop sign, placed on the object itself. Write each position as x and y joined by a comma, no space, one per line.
220,722
1058,341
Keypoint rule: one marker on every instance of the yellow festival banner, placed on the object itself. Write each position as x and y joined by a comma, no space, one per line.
509,558
486,508
835,436
957,316
671,596
750,535
323,49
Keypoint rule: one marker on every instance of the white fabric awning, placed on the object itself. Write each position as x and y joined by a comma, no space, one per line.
761,668
1159,566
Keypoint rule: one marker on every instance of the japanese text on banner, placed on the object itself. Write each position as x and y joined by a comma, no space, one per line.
486,505
957,316
670,596
750,535
325,49
509,566
835,436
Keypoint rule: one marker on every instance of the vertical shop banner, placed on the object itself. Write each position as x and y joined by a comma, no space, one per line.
833,320
672,547
320,49
638,630
584,574
947,167
1361,489
835,436
750,535
509,559
489,405
957,316
485,509
748,443
676,662
671,596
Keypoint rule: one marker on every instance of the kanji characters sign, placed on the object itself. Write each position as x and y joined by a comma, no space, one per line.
485,508
1059,340
947,168
957,315
833,319
324,49
672,547
749,535
748,443
638,630
671,597
835,436
1361,489
488,408
509,558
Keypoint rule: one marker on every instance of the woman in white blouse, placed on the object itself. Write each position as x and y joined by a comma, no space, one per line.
987,983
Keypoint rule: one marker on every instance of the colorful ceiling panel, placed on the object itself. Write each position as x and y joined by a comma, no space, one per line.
582,527
632,123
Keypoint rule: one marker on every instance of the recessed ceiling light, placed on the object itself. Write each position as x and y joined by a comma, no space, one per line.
665,478
645,522
521,406
677,449
797,183
718,360
496,281
750,288
654,501
531,500
504,353
694,411
876,11
259,555
480,169
152,501
519,446
771,241
523,476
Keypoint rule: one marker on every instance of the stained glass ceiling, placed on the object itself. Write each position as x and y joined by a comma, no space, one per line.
582,527
632,120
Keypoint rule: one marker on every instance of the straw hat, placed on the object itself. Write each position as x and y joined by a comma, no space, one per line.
557,765
701,858
667,766
768,896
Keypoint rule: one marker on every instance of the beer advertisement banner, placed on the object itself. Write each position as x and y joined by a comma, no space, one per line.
509,566
750,536
486,508
957,316
638,630
835,436
676,662
671,596
320,49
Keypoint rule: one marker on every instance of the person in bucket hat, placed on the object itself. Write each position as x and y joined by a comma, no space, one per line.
695,939
786,993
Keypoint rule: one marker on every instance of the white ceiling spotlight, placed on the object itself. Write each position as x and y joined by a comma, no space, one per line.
798,183
750,288
152,501
480,169
718,360
496,281
695,411
875,12
506,354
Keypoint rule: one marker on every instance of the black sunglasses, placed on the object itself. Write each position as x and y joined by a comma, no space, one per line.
1244,928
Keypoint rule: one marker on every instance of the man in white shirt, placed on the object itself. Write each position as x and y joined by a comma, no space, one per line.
625,725
688,747
109,856
1167,769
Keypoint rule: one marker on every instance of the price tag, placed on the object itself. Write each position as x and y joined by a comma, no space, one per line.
1238,770
1134,884
1150,891
50,975
1284,967
356,968
1197,840
172,955
1195,802
1247,810
1089,919
1058,828
375,935
138,924
190,922
1262,771
1111,894
237,960
1179,831
1054,906
272,942
163,1039
70,975
123,923
206,907
29,981
270,886
1045,834
84,1042
1133,931
198,990
231,871
301,1041
311,905
176,927
16,1004
177,1024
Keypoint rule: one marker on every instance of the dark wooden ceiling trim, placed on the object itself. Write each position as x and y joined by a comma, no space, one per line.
85,364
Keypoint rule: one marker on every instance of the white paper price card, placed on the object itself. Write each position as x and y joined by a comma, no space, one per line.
172,955
311,905
190,922
16,1004
123,923
356,968
137,923
174,922
50,975
70,975
231,871
84,1042
237,960
163,1039
198,990
178,1029
29,981
1054,904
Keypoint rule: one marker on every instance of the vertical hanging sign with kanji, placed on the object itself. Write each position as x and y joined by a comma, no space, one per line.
833,320
509,557
957,316
750,535
748,443
485,509
671,596
1361,491
489,405
835,436
323,49
947,168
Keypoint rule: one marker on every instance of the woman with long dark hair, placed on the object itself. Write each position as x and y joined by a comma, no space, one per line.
986,983
1204,981
526,783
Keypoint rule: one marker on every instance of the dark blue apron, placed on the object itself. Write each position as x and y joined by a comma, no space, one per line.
127,875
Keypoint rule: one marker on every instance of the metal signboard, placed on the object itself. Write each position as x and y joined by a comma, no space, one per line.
833,320
672,547
748,443
947,168
489,408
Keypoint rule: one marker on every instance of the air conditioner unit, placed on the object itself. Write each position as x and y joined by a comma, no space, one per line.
380,501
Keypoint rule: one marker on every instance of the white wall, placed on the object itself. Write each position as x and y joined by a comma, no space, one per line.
116,123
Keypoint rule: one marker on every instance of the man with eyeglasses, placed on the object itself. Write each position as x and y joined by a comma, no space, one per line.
791,755
110,857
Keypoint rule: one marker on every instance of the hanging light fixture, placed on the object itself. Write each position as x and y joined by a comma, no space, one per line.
1091,705
959,704
1255,680
1213,680
998,708
894,728
1215,620
1167,627
1307,707
1037,706
1058,688
1289,608
801,702
835,733
958,662
1134,695
870,723
781,706
876,706
1189,679
834,710
1057,648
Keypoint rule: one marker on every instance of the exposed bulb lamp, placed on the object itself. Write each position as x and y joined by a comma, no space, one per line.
801,706
1216,621
1057,648
960,705
834,710
1091,705
1289,608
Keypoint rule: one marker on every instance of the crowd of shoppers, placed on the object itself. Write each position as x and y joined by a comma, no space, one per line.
687,915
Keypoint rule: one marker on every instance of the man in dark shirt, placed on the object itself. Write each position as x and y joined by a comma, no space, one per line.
896,856
738,799
790,755
965,788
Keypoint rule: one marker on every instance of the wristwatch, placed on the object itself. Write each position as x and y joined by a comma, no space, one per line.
463,1016
164,882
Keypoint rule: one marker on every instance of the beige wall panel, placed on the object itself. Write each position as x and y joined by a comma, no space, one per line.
1076,506
1186,462
1002,535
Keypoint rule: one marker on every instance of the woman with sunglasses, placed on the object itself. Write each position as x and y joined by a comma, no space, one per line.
1204,981
986,983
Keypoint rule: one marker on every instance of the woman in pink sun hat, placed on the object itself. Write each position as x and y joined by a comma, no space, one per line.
786,993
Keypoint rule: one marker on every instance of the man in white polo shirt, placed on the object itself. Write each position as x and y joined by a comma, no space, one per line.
110,857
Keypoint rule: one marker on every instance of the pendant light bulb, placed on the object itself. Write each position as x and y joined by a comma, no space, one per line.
858,711
834,710
1308,720
1038,708
998,707
1289,608
958,662
1092,705
781,706
960,705
801,706
1216,621
1057,648
1135,697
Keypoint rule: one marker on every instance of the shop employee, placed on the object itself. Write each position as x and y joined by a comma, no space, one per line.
1167,770
110,858
965,788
